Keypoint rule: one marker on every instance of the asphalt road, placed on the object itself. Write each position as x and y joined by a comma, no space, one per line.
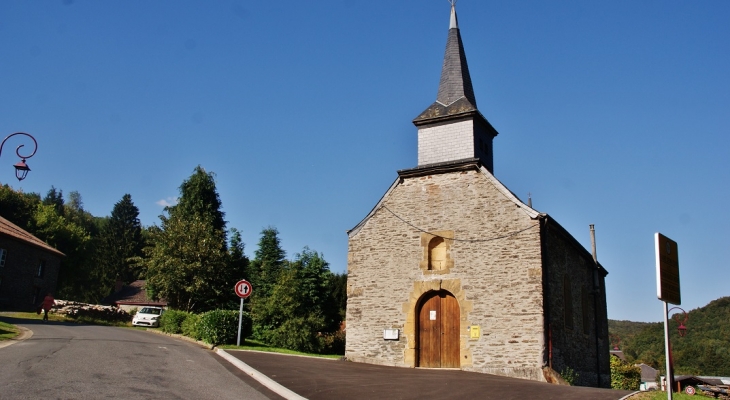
71,361
322,379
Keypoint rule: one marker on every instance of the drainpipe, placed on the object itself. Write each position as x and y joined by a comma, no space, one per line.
596,290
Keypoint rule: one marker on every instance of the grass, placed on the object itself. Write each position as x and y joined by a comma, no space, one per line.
63,318
8,331
250,344
657,395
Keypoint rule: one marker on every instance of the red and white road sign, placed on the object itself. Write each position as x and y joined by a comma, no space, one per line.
243,288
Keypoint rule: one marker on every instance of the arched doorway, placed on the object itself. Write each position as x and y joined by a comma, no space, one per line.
438,330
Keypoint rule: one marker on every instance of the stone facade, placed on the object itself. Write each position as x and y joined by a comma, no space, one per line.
578,320
495,266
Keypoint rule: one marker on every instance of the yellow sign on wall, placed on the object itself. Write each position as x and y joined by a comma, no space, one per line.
474,332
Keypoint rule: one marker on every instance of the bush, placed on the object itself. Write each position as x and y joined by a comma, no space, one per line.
221,326
624,376
171,321
189,327
298,333
333,343
569,375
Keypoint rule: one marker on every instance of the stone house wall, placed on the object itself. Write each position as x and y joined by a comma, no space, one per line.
498,283
573,327
21,288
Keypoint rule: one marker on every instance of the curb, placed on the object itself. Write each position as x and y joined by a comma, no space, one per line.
629,395
261,378
25,334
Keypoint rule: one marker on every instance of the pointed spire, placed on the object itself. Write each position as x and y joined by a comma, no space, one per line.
452,128
455,93
455,79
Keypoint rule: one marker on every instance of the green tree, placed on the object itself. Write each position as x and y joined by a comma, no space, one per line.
187,262
300,306
237,259
76,278
199,196
18,207
121,243
54,198
268,263
337,287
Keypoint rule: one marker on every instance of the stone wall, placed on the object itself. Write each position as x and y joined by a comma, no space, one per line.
574,342
498,283
21,288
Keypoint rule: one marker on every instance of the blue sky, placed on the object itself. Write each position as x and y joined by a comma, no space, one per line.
609,113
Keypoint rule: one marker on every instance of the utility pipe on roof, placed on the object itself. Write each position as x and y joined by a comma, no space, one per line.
596,290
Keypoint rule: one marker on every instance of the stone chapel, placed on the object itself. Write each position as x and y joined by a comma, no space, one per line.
451,270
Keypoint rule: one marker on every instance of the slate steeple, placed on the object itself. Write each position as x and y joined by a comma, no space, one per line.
452,128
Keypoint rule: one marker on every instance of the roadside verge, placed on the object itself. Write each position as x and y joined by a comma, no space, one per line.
25,334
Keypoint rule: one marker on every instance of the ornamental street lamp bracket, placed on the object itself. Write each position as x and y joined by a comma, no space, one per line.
21,168
681,320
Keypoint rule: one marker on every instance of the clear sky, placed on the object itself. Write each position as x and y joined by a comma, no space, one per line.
609,113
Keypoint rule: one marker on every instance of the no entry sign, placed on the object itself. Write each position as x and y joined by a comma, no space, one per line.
243,288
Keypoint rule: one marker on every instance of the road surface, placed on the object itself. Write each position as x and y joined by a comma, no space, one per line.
72,361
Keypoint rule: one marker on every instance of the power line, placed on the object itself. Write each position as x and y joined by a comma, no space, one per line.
459,240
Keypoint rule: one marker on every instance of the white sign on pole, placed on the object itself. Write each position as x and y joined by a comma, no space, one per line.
243,288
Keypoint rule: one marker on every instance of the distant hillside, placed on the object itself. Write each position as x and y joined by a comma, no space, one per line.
624,330
705,350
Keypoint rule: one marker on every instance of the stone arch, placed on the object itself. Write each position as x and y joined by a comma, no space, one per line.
410,308
436,258
437,331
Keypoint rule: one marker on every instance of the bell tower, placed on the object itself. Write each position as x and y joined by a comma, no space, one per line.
452,128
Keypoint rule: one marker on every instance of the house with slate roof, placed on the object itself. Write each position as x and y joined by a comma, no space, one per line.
134,295
29,268
451,269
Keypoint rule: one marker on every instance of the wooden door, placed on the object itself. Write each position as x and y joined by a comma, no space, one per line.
438,331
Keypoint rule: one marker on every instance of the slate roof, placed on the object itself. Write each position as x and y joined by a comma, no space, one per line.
14,231
133,294
648,373
456,93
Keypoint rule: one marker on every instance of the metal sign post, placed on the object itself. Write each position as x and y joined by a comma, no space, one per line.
668,291
243,290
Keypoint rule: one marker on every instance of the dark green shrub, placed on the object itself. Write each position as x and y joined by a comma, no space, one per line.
171,320
189,327
298,333
221,326
333,343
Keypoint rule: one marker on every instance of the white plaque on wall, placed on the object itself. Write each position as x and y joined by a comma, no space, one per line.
390,334
432,315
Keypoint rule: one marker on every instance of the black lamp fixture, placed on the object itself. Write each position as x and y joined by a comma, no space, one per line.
21,168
